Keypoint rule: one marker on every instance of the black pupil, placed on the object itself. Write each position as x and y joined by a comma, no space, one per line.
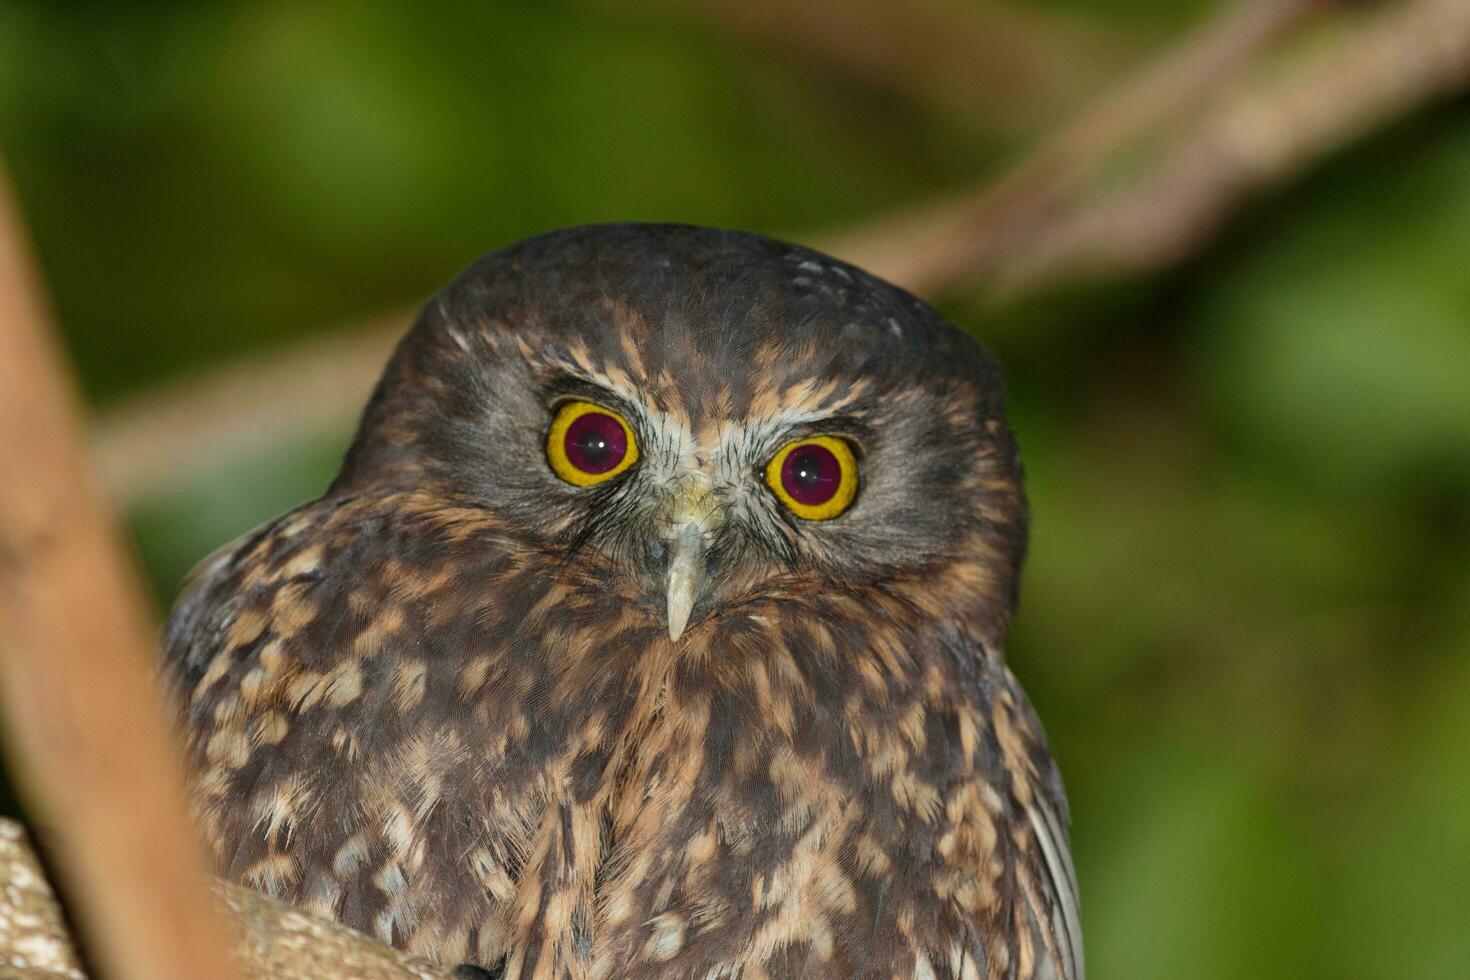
594,448
808,473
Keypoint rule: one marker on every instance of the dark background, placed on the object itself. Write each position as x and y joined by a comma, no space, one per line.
1246,615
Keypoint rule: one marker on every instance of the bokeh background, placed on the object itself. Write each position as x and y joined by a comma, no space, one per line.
1246,614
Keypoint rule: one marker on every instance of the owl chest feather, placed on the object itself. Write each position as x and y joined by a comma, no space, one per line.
730,801
515,761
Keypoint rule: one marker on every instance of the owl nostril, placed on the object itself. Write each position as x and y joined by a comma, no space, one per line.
658,555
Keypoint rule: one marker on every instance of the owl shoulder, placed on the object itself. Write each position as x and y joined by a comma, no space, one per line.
302,588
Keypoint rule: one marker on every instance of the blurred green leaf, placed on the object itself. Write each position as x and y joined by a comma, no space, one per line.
174,533
1341,341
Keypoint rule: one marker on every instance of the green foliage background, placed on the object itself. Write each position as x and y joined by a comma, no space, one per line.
1246,618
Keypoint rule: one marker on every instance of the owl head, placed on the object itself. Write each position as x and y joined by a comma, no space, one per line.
715,416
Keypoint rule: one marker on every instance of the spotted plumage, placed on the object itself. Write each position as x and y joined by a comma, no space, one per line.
448,703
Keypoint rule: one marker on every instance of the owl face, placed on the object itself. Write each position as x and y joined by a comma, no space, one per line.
714,416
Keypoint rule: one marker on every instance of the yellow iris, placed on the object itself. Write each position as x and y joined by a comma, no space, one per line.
816,477
588,444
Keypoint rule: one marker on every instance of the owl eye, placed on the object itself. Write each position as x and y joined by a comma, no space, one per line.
588,444
816,478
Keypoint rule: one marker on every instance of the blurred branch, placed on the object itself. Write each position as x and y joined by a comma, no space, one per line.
86,739
243,408
1002,63
273,941
1120,193
1378,71
1141,181
942,244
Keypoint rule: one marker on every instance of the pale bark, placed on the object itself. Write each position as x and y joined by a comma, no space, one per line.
272,941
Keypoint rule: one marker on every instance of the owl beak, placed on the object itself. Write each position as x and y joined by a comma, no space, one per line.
686,573
694,515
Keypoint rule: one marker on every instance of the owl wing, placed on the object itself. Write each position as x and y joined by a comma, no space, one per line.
1064,919
1052,903
326,767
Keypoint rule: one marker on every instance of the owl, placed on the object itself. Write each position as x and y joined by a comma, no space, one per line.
652,628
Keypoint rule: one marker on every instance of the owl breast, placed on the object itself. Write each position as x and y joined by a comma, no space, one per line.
402,716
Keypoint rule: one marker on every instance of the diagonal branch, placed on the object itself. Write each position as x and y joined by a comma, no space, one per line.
1138,183
943,244
1386,66
86,739
1235,111
245,408
1007,65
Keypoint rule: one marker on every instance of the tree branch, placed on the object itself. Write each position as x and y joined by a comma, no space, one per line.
1150,176
1003,64
243,408
86,740
940,245
272,941
1375,71
1232,111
